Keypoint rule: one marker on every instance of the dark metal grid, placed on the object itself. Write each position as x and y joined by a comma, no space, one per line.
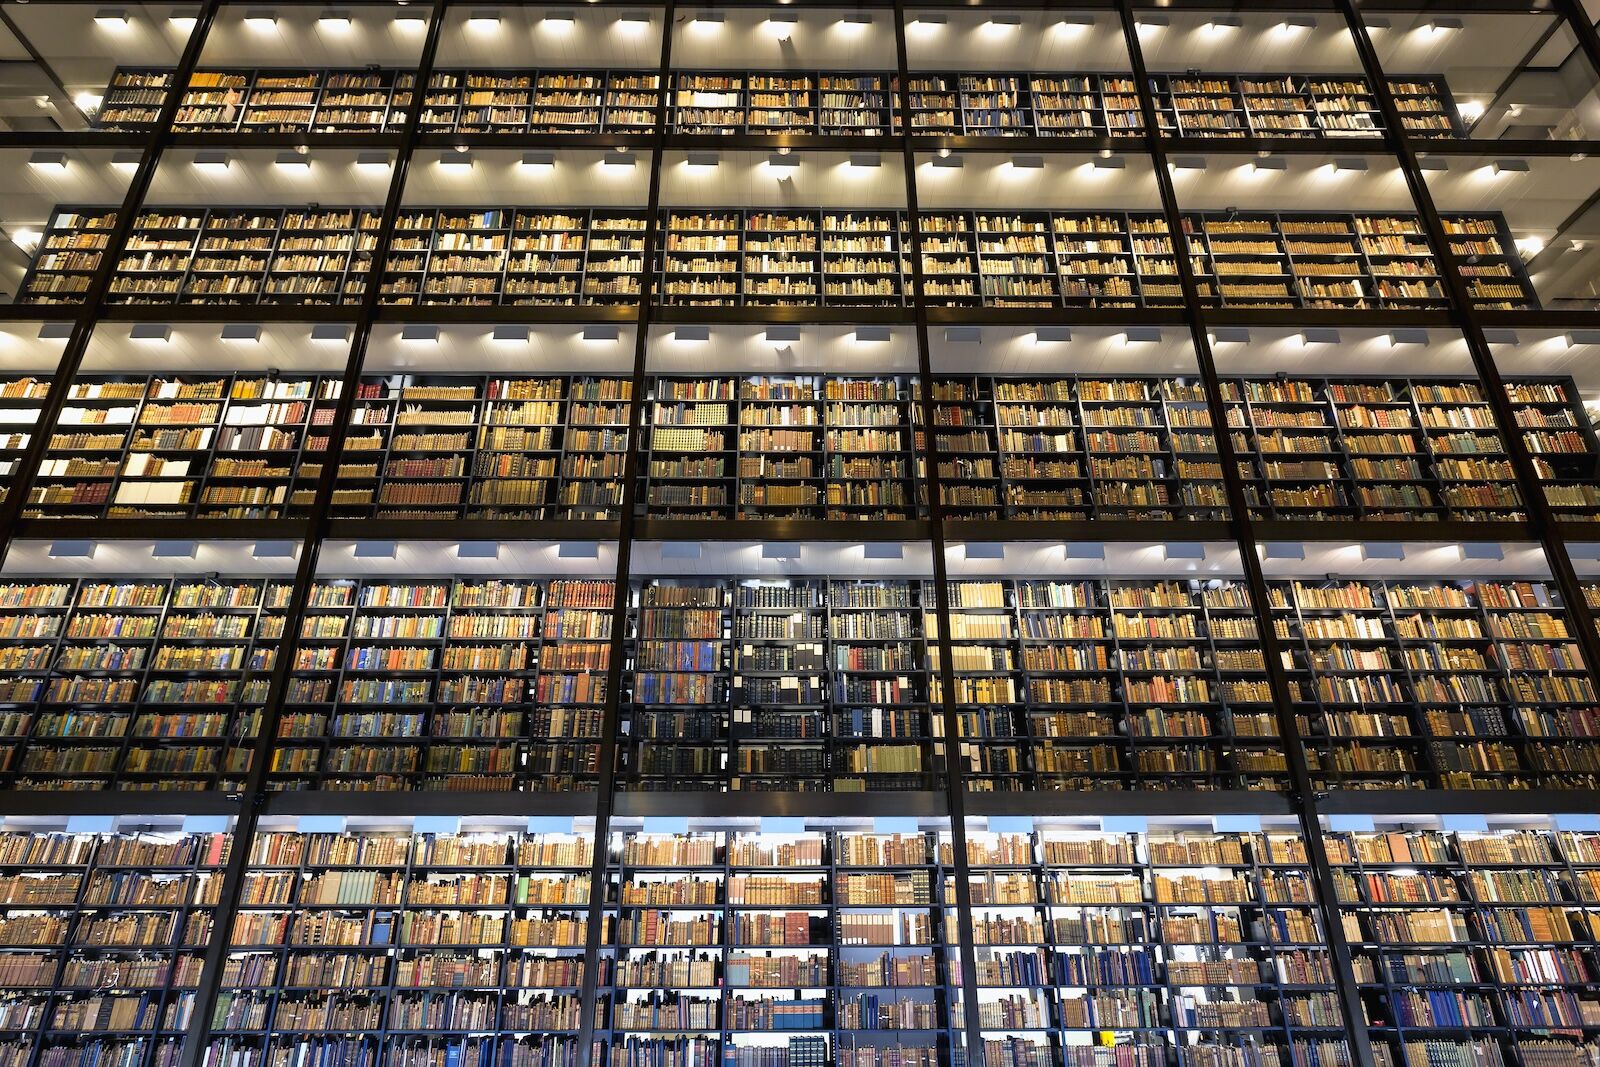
254,801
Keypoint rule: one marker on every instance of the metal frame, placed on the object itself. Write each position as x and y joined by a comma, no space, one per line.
939,530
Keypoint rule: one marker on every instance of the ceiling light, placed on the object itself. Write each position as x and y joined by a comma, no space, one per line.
1000,25
1433,163
926,25
856,21
1510,166
483,21
1027,162
56,161
692,335
1440,25
1151,22
372,162
560,21
1583,337
410,21
780,24
1263,164
864,160
545,161
1471,110
702,160
112,18
1319,336
150,331
127,160
248,332
1296,23
88,102
1052,334
415,333
1230,335
707,21
297,160
1348,163
1188,163
1141,335
459,159
26,239
1108,163
945,160
1221,24
184,23
782,334
872,333
1530,244
261,21
1409,336
509,335
620,158
783,160
634,20
212,162
335,22
601,333
1075,24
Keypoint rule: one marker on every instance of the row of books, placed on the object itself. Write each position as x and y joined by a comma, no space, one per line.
829,103
732,257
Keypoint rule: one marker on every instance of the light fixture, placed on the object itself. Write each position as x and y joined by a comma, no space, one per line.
620,158
372,162
1296,23
1141,335
245,332
1221,24
864,160
127,160
1264,164
212,162
483,21
1530,244
1230,335
1151,22
963,335
88,102
260,20
459,159
1052,334
545,161
1501,336
150,331
601,333
558,21
1510,166
56,161
1001,25
927,24
1437,163
509,335
702,160
1027,162
1583,337
707,21
856,21
634,20
875,334
1471,110
1345,164
112,18
783,160
410,21
296,160
182,23
1075,24
945,160
335,22
1440,25
26,239
417,333
55,331
1188,163
782,334
780,24
1318,336
691,335
330,332
1411,335
1108,163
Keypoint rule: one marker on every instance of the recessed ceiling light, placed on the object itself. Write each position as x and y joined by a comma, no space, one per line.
335,21
112,18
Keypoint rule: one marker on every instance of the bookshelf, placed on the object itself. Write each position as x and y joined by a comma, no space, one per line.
221,446
104,937
1180,946
793,447
807,686
791,257
825,103
1436,684
446,685
431,446
1555,427
1077,685
447,947
1484,254
1472,943
795,949
21,404
138,683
